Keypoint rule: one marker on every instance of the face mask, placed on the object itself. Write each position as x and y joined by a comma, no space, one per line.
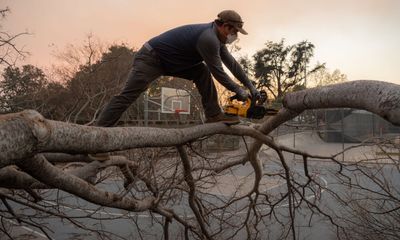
231,38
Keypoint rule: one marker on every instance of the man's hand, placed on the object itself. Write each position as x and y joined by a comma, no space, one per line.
255,94
241,94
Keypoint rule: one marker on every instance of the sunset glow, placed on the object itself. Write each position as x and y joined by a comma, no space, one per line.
359,37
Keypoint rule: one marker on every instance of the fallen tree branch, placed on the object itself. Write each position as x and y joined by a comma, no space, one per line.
43,171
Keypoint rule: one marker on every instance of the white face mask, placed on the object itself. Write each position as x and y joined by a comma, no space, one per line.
231,38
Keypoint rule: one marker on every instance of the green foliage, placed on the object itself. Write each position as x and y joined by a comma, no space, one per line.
78,99
53,98
28,88
281,68
323,77
93,85
246,64
20,88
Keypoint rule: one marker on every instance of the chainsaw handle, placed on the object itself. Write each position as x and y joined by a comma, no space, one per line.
234,97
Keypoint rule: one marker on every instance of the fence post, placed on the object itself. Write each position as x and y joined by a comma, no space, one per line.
342,126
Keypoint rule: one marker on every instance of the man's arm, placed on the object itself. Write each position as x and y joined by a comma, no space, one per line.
237,71
235,67
209,49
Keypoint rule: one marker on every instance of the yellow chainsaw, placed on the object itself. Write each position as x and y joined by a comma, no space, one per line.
251,108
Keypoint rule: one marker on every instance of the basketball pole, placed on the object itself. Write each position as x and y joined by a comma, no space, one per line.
146,109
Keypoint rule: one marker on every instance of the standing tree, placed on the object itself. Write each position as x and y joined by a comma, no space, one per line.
280,68
9,52
97,81
91,75
323,77
29,88
20,88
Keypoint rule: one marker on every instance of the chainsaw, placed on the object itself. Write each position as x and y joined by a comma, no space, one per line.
251,108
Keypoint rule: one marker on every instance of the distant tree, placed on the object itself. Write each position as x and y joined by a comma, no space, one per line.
92,76
9,52
323,77
246,64
71,58
20,87
280,68
29,87
53,98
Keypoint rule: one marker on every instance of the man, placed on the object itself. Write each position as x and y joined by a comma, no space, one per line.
192,52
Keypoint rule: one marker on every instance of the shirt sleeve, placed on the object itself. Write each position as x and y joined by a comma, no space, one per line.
208,47
234,67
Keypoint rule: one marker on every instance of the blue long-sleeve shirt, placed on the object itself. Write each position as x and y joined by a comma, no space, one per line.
183,47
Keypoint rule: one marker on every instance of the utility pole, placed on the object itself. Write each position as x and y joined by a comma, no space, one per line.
146,109
305,69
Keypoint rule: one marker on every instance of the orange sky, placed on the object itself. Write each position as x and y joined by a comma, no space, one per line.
361,38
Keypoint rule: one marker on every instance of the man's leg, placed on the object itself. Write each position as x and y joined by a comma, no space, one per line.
201,76
145,69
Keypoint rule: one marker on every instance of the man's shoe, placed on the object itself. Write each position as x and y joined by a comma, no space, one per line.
101,157
221,117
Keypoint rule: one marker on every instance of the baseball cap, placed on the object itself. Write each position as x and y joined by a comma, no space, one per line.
233,18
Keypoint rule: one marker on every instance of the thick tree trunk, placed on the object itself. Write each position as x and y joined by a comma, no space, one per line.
24,134
381,98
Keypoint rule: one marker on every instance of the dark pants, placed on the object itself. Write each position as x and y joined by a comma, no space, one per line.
145,69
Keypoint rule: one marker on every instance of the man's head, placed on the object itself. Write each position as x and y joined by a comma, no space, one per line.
229,23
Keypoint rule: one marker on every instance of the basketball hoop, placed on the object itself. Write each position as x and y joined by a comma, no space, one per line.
176,101
180,111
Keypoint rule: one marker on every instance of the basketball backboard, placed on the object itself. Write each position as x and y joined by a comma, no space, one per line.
175,101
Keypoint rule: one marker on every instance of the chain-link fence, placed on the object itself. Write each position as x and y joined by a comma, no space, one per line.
342,125
331,131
